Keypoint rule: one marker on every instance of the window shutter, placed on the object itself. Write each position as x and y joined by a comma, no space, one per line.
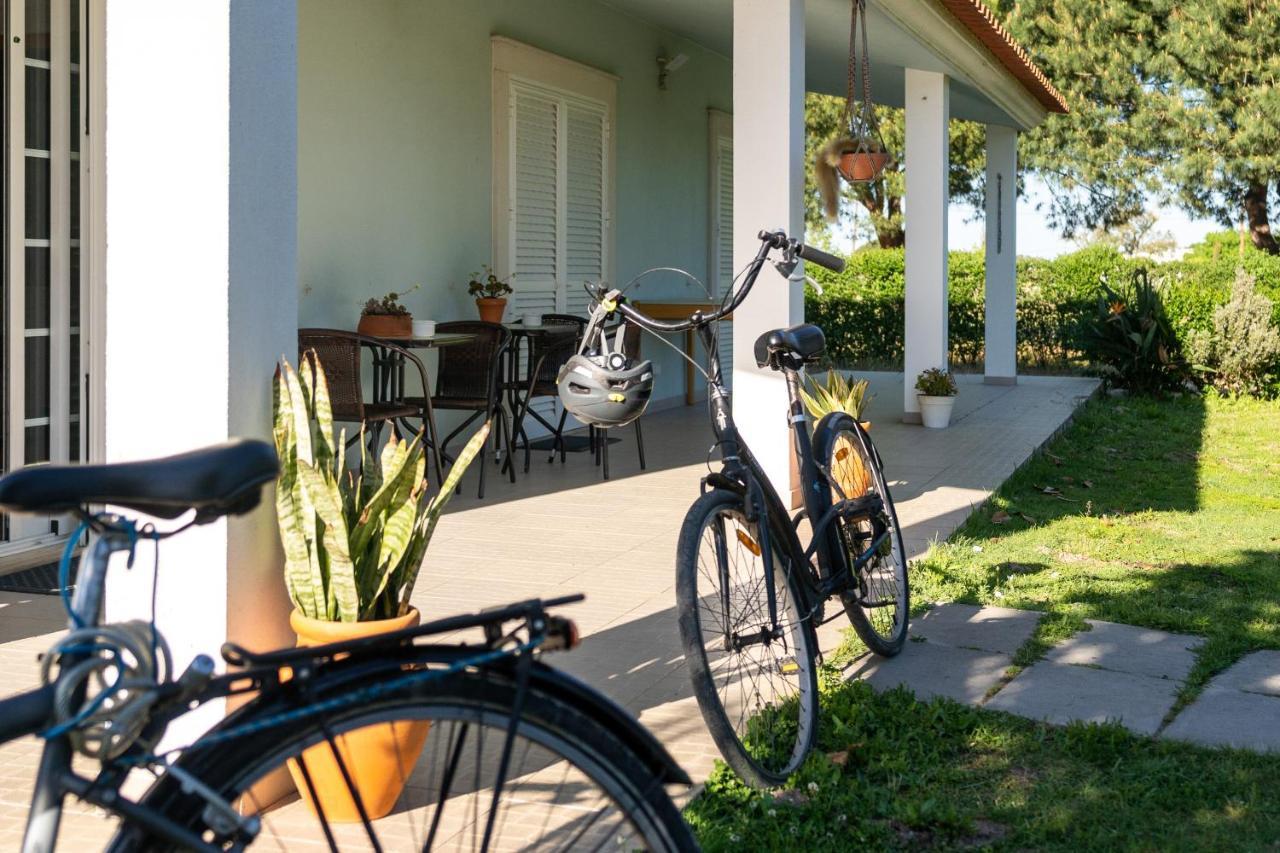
535,203
723,211
586,216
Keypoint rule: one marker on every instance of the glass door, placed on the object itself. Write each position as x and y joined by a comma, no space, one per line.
42,286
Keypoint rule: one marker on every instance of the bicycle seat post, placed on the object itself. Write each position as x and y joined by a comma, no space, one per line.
91,579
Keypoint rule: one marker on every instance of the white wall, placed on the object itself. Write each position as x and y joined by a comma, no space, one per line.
394,149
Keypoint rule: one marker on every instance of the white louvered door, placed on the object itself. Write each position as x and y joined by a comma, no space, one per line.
559,228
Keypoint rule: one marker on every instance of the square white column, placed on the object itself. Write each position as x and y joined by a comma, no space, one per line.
200,288
928,140
1001,365
768,192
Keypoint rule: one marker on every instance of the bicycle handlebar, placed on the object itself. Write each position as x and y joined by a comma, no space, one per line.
768,240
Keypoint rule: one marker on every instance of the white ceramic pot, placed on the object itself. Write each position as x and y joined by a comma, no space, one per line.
424,328
533,320
935,412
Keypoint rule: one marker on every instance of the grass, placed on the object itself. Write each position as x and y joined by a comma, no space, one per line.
1164,514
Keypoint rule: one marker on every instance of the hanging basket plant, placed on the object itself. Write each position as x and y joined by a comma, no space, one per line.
858,153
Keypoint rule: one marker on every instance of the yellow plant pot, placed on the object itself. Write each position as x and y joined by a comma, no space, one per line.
378,757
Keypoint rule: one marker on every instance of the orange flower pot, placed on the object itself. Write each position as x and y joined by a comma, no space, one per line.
862,165
378,757
491,308
848,469
386,326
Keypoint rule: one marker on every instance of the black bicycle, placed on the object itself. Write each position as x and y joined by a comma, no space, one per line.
513,754
749,593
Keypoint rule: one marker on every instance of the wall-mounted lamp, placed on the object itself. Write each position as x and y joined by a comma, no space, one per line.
668,64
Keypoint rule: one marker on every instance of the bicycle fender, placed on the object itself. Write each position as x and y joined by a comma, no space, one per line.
616,719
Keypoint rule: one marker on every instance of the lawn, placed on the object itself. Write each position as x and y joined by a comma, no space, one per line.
1163,514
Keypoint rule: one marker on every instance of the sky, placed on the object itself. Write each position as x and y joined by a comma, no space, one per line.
1037,239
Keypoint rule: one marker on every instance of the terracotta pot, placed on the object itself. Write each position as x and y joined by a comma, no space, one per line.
848,469
378,757
491,308
386,325
862,165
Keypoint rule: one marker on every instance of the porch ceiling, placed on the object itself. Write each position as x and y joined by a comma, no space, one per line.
920,34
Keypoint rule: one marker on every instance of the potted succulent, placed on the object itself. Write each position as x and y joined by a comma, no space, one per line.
936,391
841,394
353,545
386,317
491,294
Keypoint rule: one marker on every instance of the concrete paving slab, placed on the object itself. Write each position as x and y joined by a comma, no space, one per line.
933,669
1124,648
1062,693
1229,718
1258,672
993,629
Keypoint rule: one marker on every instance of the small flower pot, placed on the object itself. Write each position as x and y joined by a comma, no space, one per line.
379,758
935,412
491,308
862,165
386,325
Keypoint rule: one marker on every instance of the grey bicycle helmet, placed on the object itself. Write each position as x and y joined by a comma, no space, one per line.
604,387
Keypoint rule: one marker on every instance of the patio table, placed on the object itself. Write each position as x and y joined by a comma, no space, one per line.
388,382
515,381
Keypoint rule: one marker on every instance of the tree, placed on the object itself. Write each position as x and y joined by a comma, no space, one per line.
1172,99
1136,238
882,199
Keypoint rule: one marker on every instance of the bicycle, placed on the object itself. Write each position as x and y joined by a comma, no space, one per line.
749,594
514,754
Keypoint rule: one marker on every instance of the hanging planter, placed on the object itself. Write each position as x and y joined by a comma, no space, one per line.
858,154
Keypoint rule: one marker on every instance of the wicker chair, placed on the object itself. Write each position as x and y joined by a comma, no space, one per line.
547,354
339,352
631,337
468,379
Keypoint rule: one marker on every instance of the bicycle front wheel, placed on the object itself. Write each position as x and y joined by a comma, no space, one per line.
878,601
754,677
567,782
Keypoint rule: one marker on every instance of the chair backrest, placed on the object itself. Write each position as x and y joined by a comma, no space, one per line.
469,370
558,347
339,354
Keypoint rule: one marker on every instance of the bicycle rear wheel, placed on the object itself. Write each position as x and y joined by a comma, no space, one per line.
757,688
878,605
569,783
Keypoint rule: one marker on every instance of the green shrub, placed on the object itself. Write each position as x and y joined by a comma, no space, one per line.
1131,341
1240,353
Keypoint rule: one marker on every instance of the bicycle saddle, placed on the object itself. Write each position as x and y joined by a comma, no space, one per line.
805,341
225,479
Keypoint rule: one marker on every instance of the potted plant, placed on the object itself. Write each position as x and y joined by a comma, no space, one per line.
840,394
353,545
936,391
491,294
386,317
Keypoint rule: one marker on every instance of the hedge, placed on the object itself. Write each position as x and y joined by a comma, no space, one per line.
862,311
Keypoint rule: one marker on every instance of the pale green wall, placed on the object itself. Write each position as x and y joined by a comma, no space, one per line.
394,146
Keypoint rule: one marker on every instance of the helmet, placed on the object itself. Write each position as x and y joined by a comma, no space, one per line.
605,389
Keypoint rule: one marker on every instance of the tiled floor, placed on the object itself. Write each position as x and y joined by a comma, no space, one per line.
562,529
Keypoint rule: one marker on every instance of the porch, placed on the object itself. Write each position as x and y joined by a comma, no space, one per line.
566,531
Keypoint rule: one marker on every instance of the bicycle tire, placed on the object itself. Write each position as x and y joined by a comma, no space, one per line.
760,764
482,699
859,470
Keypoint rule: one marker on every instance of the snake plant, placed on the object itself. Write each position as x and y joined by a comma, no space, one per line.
837,394
353,542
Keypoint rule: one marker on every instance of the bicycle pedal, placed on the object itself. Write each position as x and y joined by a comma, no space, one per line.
788,665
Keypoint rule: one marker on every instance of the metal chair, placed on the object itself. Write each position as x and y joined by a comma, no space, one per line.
468,379
547,353
339,352
631,337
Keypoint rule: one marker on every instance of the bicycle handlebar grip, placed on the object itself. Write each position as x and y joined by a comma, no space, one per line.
821,258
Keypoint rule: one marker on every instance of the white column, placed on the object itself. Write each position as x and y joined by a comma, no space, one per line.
768,192
926,165
1002,252
200,286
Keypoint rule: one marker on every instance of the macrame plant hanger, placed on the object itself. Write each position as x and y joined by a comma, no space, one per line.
863,156
857,153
